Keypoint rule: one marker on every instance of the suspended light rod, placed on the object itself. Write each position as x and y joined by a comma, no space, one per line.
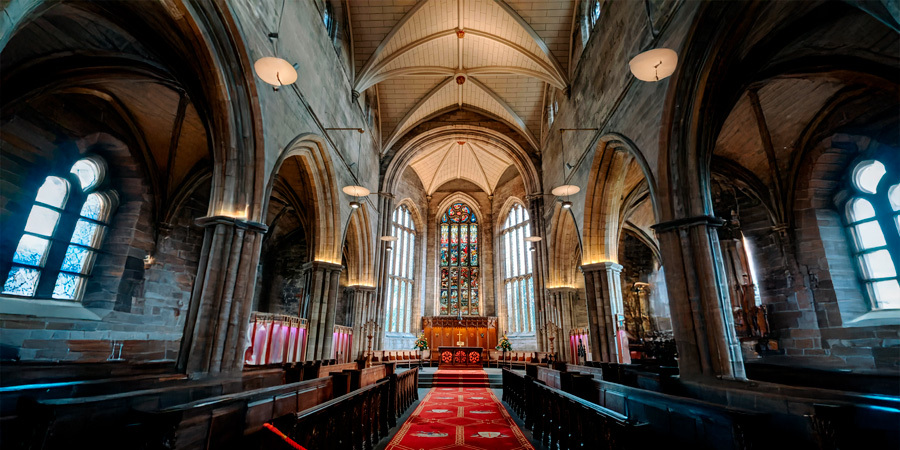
358,130
561,130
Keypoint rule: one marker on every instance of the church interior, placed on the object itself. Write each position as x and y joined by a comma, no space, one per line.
479,224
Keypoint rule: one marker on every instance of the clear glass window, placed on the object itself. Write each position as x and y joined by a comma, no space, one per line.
518,274
401,278
51,223
873,223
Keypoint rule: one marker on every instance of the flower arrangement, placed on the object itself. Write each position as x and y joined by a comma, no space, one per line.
504,345
421,343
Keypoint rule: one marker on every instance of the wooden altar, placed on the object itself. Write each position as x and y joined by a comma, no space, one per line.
451,331
460,357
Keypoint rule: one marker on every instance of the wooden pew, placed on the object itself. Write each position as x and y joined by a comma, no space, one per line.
103,421
223,421
561,420
354,421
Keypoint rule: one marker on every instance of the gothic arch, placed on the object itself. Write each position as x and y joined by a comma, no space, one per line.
205,44
358,239
565,249
402,158
460,197
504,211
317,168
617,162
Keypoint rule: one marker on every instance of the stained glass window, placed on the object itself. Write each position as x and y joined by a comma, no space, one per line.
873,223
459,262
518,269
401,278
54,221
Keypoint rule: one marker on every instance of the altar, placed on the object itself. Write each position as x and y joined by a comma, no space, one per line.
460,357
466,331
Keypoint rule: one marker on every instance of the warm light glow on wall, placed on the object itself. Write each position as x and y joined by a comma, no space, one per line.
235,213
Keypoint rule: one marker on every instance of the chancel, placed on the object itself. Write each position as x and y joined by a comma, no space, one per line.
423,224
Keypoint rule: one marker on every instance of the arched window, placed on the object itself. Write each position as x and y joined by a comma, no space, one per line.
517,270
459,261
401,272
873,223
61,239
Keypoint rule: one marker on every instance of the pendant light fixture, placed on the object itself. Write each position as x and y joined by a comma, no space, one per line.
355,190
654,64
272,69
567,189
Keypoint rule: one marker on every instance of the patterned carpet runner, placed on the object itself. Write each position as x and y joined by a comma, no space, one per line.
459,418
460,378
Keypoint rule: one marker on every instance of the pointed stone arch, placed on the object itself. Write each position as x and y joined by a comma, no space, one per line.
616,161
358,240
313,158
565,248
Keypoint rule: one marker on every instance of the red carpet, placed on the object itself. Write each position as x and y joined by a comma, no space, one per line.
460,378
459,418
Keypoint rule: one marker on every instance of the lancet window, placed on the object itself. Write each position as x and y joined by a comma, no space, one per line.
401,278
518,268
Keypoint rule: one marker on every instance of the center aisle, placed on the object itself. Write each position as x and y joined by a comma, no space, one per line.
458,418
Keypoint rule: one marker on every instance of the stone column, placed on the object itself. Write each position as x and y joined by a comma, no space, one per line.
541,268
698,299
382,257
217,321
603,286
324,288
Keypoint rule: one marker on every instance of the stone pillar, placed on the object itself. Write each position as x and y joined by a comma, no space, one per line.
698,299
324,288
217,321
382,257
603,286
541,268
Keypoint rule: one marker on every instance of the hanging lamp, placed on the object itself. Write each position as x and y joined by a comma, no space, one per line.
567,189
272,69
356,190
654,64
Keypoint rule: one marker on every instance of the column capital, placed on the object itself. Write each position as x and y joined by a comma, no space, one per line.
602,266
361,288
322,265
561,289
687,222
248,225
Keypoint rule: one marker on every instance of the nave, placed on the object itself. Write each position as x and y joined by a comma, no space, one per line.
648,222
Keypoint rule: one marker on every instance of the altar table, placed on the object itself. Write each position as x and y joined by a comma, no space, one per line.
460,357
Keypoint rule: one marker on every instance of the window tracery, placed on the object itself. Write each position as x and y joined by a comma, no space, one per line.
53,224
401,278
873,223
459,255
517,270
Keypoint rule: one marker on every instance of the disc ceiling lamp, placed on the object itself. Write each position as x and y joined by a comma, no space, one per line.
272,69
654,64
388,239
534,240
355,190
565,190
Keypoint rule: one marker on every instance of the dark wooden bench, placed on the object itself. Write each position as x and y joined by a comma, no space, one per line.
223,421
562,420
105,421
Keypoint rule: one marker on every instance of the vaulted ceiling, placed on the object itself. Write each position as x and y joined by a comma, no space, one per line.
448,159
414,53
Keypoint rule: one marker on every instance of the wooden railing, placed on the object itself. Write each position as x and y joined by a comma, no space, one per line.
405,388
561,420
357,420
